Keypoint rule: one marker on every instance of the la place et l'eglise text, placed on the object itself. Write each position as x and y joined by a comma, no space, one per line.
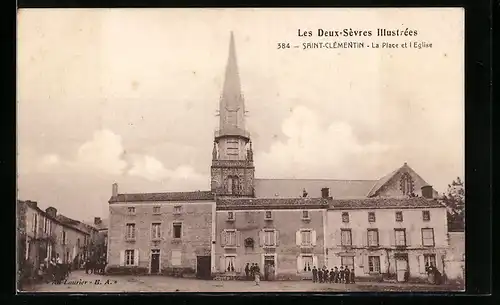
358,33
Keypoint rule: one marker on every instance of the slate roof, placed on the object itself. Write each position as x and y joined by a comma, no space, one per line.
271,203
385,203
292,188
169,196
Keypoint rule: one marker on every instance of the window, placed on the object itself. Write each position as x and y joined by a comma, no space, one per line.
307,263
430,260
345,217
230,215
156,231
400,235
64,237
78,242
426,215
177,230
45,225
233,184
399,216
35,223
374,264
49,223
347,261
156,210
230,262
305,214
371,216
231,238
306,237
269,215
428,237
130,231
131,210
129,257
372,238
177,209
85,240
269,238
346,237
176,258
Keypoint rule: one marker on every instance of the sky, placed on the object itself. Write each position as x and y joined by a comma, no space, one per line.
130,96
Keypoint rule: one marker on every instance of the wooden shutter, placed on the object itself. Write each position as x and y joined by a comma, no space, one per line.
238,238
315,262
237,265
421,264
277,236
360,260
122,258
261,238
136,257
338,238
364,238
223,238
408,238
392,238
170,229
366,265
298,238
313,237
354,236
222,262
300,268
439,263
262,263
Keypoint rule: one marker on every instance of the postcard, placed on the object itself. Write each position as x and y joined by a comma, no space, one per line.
240,150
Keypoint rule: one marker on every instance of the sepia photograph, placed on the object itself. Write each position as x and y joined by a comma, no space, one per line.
240,150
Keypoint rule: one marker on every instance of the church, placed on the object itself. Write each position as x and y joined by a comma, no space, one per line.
391,228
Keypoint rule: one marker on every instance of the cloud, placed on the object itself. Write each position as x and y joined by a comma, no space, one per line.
314,151
150,168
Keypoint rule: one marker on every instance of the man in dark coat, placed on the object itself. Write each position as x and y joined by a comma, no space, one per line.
320,275
336,272
352,276
332,276
325,275
341,274
315,274
247,271
346,272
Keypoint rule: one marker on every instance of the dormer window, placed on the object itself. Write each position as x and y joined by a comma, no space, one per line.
269,215
230,216
305,215
345,217
156,210
177,209
131,210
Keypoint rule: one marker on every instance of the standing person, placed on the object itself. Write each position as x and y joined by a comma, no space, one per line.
257,275
332,276
320,275
346,271
325,275
352,276
336,272
252,271
341,274
247,271
315,274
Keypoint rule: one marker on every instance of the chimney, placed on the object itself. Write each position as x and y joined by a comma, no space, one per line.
115,190
32,203
325,193
51,211
97,220
427,192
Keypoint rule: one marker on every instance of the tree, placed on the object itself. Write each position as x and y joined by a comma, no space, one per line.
454,199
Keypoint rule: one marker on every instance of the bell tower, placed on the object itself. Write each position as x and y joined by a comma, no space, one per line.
232,168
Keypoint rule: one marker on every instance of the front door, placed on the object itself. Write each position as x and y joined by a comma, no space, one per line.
203,266
401,268
155,261
268,267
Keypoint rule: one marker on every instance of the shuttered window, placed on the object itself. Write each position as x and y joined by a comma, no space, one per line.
346,237
231,238
428,237
372,237
374,264
129,257
400,237
130,231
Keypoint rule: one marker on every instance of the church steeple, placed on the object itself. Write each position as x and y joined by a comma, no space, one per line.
232,103
232,156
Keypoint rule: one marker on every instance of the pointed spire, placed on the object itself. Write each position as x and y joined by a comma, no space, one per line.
214,151
232,106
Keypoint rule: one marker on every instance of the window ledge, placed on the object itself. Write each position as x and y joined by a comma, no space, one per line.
306,219
306,246
156,239
176,240
130,240
157,213
268,219
230,220
269,246
230,247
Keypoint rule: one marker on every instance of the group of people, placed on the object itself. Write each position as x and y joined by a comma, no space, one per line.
334,275
253,272
53,270
95,265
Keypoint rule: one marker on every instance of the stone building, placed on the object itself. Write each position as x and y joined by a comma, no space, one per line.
293,224
162,231
45,234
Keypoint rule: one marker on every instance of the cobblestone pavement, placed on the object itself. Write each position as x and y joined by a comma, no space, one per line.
80,282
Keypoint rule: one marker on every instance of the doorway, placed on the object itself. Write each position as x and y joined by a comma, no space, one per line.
203,267
155,261
269,267
401,267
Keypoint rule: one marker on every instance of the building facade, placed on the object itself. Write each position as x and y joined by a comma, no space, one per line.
162,232
289,224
